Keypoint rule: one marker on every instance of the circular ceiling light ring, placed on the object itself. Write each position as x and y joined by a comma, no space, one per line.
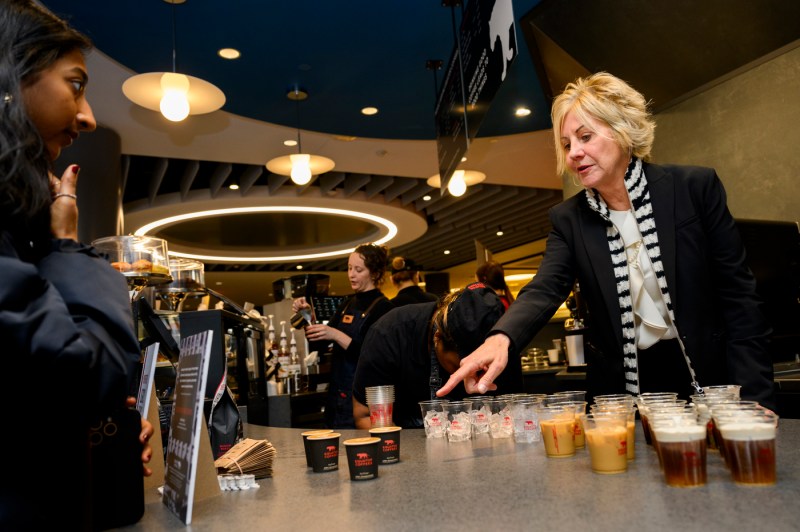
388,226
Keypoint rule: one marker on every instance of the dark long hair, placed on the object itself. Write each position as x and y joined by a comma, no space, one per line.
492,274
31,39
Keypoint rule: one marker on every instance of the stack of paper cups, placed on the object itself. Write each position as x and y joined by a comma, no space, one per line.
380,400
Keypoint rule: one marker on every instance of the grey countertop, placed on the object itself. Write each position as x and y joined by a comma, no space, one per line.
487,484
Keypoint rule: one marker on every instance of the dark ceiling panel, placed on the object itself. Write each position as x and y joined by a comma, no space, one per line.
665,49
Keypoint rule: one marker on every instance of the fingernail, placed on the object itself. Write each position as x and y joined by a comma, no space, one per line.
481,387
75,168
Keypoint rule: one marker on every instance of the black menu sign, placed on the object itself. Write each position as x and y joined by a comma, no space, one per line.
488,44
186,425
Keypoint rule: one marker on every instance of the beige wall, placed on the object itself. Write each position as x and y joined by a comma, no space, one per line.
748,128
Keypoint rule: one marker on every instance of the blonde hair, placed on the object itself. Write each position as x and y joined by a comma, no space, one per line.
606,98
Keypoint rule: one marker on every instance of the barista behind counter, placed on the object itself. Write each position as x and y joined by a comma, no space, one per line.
416,347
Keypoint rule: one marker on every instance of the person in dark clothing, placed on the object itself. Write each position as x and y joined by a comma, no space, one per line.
68,341
671,303
348,327
405,277
416,347
493,275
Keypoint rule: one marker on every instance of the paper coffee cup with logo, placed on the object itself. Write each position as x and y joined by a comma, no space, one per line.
324,451
307,446
363,457
389,444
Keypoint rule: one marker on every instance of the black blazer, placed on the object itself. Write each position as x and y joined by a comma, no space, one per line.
712,290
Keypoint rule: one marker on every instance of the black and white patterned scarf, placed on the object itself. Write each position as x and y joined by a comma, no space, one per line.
639,195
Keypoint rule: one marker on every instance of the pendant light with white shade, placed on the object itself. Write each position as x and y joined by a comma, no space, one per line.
175,95
459,182
301,167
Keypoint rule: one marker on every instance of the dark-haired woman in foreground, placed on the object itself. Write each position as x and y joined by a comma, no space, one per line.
66,331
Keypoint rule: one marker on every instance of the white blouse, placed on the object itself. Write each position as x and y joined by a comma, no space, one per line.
651,319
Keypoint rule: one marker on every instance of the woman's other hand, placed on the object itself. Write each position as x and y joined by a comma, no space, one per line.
64,209
299,304
144,439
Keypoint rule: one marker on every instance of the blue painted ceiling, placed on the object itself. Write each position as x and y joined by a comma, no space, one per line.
348,55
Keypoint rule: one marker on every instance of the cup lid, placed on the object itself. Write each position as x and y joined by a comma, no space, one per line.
384,429
326,436
316,431
362,441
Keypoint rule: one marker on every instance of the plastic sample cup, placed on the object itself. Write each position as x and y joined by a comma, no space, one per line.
459,424
363,457
434,419
749,441
479,414
389,444
501,422
307,446
630,411
580,410
557,424
324,452
607,440
526,420
682,450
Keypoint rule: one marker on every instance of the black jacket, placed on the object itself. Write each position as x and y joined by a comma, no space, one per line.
68,353
411,295
713,293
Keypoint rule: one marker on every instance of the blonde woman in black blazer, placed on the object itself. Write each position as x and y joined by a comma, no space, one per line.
671,303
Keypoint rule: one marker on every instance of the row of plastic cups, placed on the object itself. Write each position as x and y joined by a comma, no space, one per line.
499,417
646,401
747,443
678,432
609,430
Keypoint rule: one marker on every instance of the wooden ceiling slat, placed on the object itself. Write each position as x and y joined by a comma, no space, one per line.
188,177
155,180
221,173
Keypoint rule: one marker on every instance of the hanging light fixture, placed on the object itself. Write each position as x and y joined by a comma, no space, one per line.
299,166
459,182
175,95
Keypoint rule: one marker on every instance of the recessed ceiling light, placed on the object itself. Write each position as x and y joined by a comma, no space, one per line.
447,252
218,283
463,159
229,53
290,142
299,266
522,111
369,111
233,186
426,198
499,232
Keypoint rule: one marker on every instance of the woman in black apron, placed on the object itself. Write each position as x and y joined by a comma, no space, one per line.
348,327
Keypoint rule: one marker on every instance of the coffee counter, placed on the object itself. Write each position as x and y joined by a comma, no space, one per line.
490,484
